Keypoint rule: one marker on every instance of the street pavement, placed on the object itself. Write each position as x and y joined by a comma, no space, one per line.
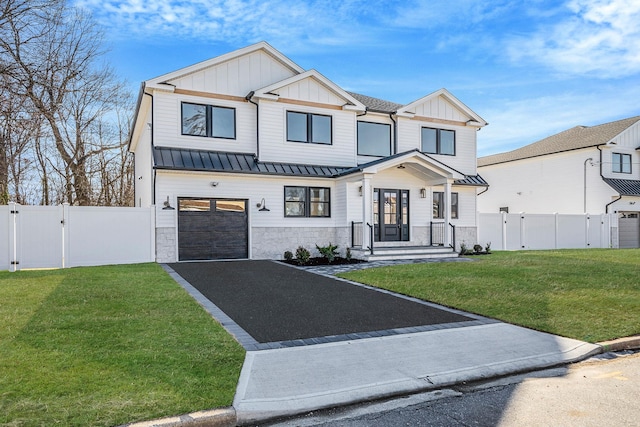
602,390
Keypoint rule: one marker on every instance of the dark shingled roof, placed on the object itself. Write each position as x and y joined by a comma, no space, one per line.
375,104
625,187
167,158
571,139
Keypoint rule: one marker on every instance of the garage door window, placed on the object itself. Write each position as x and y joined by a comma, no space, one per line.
230,205
194,205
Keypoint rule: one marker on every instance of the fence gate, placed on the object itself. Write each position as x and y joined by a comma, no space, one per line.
69,236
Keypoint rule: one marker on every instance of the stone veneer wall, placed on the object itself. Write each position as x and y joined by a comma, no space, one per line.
468,236
272,242
166,244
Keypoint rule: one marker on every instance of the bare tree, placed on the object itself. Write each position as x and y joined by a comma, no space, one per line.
51,55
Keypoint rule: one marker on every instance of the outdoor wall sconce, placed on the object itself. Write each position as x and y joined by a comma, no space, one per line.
214,183
423,193
262,206
167,205
360,191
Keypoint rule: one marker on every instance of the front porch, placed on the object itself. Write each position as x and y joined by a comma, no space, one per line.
438,233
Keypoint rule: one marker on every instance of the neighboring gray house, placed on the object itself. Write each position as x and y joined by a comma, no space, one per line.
247,155
585,169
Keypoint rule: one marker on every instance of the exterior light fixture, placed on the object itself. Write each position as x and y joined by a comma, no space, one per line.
360,191
401,166
262,206
423,193
167,205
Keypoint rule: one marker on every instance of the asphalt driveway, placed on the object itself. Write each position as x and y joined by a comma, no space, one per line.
276,302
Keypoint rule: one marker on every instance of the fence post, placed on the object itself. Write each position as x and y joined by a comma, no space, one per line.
504,231
522,231
152,239
587,220
557,230
13,236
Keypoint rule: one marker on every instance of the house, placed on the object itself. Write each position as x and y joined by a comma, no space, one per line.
585,169
247,155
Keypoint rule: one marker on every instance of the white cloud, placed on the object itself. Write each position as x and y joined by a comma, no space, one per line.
600,38
293,24
516,123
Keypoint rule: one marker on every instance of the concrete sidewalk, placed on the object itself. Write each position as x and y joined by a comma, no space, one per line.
283,382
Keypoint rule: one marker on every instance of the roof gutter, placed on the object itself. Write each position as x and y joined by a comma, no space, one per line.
248,98
606,207
395,132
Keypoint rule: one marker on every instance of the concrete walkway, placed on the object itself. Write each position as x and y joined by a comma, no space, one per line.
283,382
293,380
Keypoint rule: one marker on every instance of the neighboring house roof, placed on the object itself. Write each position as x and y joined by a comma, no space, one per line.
571,139
168,158
625,187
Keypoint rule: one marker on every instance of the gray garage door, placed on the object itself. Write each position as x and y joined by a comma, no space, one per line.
629,231
212,229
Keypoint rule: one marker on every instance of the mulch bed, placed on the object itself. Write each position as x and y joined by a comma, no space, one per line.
275,302
324,261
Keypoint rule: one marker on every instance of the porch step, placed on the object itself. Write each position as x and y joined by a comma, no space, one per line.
405,252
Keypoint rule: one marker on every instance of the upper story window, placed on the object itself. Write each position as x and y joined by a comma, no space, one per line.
438,205
308,127
374,139
208,120
621,163
307,202
439,141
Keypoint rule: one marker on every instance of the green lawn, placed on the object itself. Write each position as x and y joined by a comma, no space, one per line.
591,295
104,346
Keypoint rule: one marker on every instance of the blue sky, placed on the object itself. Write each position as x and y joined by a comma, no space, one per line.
530,68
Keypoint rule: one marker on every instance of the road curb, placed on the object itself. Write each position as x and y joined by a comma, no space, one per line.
221,417
626,343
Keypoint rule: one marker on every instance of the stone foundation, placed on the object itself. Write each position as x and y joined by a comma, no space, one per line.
272,242
166,244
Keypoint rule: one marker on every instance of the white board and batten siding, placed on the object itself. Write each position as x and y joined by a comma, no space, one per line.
168,126
238,76
274,146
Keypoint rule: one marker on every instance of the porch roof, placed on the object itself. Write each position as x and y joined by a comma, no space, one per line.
169,158
626,187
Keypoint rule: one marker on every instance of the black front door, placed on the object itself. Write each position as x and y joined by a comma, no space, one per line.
391,215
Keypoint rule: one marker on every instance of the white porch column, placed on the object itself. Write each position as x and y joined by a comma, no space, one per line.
447,213
367,210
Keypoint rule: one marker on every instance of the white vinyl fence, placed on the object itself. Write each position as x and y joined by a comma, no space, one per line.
546,231
70,236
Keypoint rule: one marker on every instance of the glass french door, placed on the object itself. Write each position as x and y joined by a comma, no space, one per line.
391,215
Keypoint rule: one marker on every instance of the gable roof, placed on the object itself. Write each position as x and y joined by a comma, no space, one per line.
264,46
475,120
572,139
353,103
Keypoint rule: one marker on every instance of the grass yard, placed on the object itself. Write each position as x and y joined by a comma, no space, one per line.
104,346
591,295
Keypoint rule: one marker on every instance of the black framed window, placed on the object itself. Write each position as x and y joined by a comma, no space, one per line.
621,163
374,139
307,202
438,205
438,141
309,128
208,120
